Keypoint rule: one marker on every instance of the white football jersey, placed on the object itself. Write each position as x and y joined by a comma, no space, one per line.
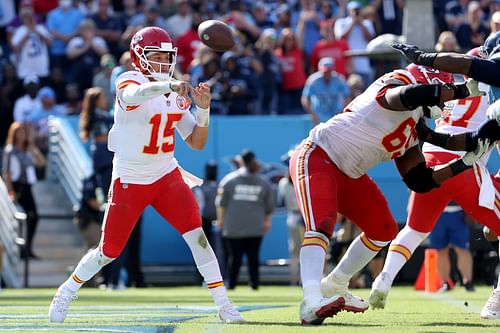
142,136
366,133
464,115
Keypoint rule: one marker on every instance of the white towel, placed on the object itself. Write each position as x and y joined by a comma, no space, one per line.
487,190
190,179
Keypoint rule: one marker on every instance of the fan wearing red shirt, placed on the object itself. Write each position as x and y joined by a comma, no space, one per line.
188,43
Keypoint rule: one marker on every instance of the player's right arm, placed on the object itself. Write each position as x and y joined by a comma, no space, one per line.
134,92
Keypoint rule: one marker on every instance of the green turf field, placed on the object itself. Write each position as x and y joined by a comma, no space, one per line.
271,309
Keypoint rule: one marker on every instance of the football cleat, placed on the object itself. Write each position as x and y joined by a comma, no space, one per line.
59,307
315,314
352,303
491,309
380,289
228,314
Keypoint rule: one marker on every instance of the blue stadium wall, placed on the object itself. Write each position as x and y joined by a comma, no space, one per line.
269,137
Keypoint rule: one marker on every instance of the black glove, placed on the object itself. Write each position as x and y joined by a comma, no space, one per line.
411,52
415,55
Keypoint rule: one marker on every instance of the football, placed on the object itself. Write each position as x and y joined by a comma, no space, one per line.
215,34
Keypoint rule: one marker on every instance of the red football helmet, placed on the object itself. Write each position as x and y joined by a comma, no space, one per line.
429,75
153,39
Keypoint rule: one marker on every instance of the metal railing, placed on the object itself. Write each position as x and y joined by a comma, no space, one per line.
10,219
69,163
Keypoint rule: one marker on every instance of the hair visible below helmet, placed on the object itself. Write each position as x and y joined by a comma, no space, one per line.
429,75
490,46
153,39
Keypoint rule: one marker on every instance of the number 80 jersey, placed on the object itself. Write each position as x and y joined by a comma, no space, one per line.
143,137
366,133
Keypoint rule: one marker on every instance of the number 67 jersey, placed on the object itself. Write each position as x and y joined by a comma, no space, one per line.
366,133
143,137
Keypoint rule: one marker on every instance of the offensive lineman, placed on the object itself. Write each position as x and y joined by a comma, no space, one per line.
379,125
149,106
475,190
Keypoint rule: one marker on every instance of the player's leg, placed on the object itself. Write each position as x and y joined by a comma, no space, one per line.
423,212
314,180
178,206
370,212
126,203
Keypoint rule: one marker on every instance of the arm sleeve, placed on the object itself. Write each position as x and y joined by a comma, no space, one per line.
487,71
133,92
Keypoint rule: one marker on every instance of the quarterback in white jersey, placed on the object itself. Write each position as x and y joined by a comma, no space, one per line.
150,104
329,172
475,190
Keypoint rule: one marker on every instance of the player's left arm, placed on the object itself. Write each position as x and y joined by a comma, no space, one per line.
420,178
199,136
468,141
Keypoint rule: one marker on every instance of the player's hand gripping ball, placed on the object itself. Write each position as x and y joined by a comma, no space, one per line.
217,35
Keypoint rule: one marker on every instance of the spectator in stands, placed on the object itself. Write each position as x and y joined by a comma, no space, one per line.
293,74
57,82
62,23
295,224
39,118
73,104
95,124
329,46
212,76
180,22
456,13
495,22
308,26
8,10
356,86
30,42
84,51
452,232
108,26
149,17
244,205
260,16
447,42
188,43
239,89
241,20
103,78
284,18
20,158
325,92
473,32
390,15
25,105
357,32
269,79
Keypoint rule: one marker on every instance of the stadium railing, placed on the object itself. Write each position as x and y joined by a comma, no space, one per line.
68,161
10,218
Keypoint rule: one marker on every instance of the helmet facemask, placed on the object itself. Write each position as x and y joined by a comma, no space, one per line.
166,69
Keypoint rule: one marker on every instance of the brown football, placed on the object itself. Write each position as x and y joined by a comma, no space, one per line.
215,34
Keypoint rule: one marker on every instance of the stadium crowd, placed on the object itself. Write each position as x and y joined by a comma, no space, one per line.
53,51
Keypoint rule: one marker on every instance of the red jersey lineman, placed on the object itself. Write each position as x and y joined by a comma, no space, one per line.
329,172
149,106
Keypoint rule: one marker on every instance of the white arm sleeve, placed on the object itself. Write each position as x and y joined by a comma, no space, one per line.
138,94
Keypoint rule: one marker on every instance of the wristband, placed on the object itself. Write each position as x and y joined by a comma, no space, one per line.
459,91
458,166
202,116
427,59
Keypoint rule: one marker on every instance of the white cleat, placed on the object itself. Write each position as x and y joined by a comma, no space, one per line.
315,314
352,303
380,289
491,309
229,315
59,307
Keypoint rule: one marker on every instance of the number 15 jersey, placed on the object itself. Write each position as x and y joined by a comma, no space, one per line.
142,136
366,133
